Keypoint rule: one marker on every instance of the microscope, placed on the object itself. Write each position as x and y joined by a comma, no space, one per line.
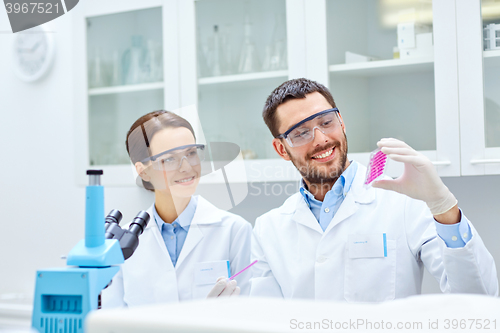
64,296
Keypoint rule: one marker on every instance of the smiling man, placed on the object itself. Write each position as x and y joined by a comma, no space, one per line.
338,240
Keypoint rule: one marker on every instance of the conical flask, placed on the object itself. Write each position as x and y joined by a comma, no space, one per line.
216,71
249,61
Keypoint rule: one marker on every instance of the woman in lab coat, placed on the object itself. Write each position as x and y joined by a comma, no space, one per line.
188,243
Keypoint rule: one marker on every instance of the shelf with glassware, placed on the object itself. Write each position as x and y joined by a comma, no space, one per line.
478,33
384,67
126,88
491,59
246,44
414,53
242,55
396,87
135,54
120,75
243,77
124,76
139,67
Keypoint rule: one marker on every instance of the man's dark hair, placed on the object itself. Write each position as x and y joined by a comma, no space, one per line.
291,89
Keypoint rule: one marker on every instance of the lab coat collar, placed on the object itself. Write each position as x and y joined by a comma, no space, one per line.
302,214
212,213
361,194
357,196
185,217
205,214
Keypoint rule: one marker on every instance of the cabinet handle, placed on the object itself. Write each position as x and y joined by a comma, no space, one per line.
441,162
485,161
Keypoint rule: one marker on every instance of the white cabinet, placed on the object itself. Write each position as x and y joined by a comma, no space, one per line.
479,86
400,93
233,54
389,97
125,66
224,57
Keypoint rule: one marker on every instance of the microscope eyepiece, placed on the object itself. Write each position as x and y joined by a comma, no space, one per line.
115,216
139,223
112,224
129,239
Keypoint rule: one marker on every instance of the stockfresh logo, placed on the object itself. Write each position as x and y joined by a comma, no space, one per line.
26,14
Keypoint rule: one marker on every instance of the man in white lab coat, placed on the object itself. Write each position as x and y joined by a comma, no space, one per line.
337,239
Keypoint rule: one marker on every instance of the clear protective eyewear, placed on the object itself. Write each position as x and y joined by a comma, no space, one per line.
171,159
302,133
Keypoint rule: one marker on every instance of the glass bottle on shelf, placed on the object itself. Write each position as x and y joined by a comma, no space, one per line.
275,57
153,69
115,73
203,51
96,75
268,54
133,62
226,51
249,61
216,71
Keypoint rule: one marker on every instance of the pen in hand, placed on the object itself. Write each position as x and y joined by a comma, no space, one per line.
244,269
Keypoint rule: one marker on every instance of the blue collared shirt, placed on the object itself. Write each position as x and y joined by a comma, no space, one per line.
326,210
454,235
174,235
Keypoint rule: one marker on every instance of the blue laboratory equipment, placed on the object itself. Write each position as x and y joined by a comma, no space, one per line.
64,296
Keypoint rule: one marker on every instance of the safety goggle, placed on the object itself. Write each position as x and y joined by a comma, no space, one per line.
172,159
302,133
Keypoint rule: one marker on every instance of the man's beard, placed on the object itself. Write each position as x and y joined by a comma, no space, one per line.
312,174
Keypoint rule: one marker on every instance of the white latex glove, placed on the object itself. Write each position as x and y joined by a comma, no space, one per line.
223,288
419,180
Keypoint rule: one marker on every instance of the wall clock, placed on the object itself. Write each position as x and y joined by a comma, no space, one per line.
34,51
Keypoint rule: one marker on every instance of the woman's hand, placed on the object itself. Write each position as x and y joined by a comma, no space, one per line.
224,288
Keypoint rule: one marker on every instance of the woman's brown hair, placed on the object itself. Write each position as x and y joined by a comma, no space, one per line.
142,131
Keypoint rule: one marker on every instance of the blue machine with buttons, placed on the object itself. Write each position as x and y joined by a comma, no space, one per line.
64,296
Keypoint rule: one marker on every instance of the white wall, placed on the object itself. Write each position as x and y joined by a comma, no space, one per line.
40,206
42,209
479,199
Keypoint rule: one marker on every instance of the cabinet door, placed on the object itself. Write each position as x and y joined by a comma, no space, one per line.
124,71
233,54
393,73
479,53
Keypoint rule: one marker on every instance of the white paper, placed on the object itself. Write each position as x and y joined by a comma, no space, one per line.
367,246
208,272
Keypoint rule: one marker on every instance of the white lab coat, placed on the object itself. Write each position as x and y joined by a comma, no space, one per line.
149,276
298,260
